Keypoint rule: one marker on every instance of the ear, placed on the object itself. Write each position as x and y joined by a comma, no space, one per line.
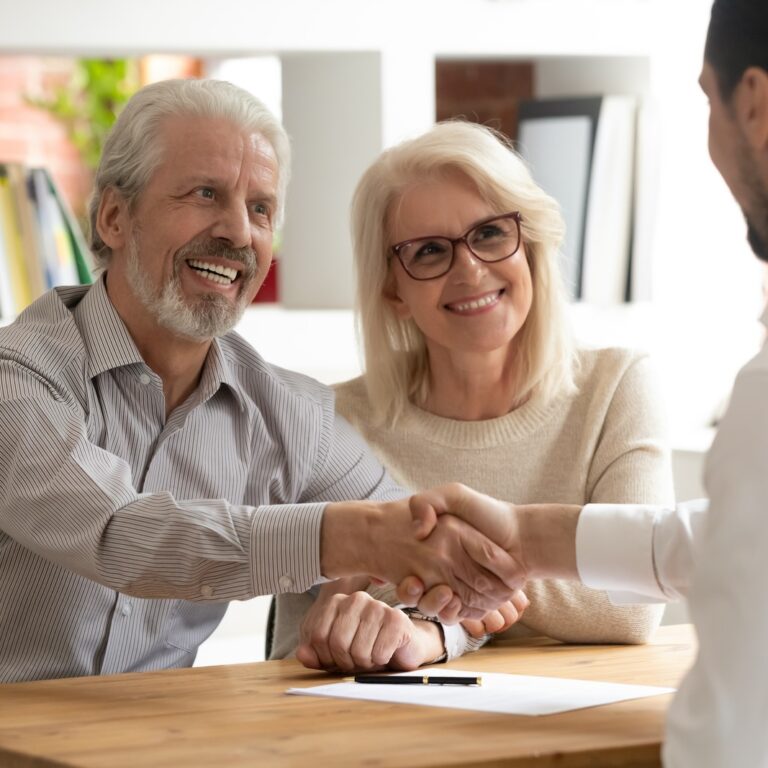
750,102
392,297
112,219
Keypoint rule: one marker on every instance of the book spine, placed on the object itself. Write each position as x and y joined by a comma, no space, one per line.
20,285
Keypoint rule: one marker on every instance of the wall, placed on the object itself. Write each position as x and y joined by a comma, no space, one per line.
30,135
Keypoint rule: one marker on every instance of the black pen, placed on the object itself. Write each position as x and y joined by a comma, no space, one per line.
418,680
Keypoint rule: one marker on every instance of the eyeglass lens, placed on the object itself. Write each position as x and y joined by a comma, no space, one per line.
432,256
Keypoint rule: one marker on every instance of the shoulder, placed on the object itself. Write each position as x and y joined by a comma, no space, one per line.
260,380
607,364
351,396
45,337
617,377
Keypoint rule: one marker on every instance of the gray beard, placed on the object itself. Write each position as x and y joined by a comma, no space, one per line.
205,317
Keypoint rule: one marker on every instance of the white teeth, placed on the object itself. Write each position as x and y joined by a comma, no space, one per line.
214,272
475,304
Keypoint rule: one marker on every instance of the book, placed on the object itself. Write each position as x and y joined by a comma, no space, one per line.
581,151
41,244
29,229
13,251
7,302
80,250
55,246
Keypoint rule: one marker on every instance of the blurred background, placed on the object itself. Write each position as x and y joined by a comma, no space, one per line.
350,77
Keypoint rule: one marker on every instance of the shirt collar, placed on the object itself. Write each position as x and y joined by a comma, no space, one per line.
109,345
217,371
106,339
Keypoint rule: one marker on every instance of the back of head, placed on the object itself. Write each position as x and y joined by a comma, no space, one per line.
395,350
133,149
737,39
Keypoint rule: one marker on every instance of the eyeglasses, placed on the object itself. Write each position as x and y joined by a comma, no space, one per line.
494,239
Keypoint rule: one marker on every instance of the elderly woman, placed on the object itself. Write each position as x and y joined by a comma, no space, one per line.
472,376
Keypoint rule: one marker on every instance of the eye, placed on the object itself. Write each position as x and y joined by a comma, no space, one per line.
206,193
428,251
487,232
260,209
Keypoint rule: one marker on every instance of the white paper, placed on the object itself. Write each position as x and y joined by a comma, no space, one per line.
500,693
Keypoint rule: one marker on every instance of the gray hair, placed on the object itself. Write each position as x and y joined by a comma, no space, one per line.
396,360
133,151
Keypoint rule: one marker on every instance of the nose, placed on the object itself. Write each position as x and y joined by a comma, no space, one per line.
466,267
233,225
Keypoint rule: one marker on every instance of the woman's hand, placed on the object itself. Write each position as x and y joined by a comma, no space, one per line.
497,621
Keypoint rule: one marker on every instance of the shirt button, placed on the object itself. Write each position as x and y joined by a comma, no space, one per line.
285,582
126,609
206,590
144,379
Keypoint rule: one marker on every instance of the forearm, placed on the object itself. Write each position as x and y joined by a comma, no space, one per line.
347,539
547,534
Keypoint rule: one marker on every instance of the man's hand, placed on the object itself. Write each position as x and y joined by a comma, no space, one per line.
497,621
356,632
494,518
378,539
540,539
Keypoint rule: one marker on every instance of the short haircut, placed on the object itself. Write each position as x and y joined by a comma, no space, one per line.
737,38
133,150
395,349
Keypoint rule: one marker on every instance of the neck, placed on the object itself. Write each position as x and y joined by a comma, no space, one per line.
473,386
177,360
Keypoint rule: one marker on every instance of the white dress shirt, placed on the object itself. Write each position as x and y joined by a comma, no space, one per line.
719,558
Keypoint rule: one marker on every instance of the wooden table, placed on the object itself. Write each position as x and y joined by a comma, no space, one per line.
239,715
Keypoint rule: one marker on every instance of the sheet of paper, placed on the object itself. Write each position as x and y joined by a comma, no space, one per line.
500,693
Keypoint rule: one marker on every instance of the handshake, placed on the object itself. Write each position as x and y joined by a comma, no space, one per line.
452,552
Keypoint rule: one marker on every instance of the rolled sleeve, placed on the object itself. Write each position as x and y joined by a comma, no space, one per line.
614,551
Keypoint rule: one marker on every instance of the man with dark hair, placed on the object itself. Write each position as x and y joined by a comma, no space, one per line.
714,551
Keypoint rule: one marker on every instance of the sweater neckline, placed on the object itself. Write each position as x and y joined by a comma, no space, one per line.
488,433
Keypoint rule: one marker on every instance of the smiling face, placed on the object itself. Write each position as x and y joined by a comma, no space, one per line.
196,248
477,308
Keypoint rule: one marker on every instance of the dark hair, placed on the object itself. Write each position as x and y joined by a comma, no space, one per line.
737,39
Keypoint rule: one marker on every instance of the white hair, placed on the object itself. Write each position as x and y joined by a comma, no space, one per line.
133,149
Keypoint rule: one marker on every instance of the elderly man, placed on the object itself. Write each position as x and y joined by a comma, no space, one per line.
152,465
714,551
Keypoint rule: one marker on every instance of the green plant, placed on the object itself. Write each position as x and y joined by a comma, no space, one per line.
89,103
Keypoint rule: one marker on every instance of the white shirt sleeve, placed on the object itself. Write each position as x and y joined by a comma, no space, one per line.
639,553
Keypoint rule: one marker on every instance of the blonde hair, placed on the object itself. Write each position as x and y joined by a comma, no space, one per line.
396,360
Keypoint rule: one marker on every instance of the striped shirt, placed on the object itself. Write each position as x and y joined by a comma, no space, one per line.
123,534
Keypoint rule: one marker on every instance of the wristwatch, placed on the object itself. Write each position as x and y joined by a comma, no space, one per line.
417,615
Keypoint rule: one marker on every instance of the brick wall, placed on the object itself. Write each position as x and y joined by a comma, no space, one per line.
485,92
30,135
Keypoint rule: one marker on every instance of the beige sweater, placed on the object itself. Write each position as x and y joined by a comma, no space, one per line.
605,443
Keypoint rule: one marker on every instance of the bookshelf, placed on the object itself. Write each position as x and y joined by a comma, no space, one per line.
41,243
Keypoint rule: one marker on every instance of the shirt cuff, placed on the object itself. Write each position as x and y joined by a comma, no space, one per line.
614,551
453,636
285,548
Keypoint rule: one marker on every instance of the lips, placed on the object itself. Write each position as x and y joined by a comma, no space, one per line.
472,305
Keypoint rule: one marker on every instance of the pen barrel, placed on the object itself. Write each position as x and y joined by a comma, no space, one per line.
417,680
